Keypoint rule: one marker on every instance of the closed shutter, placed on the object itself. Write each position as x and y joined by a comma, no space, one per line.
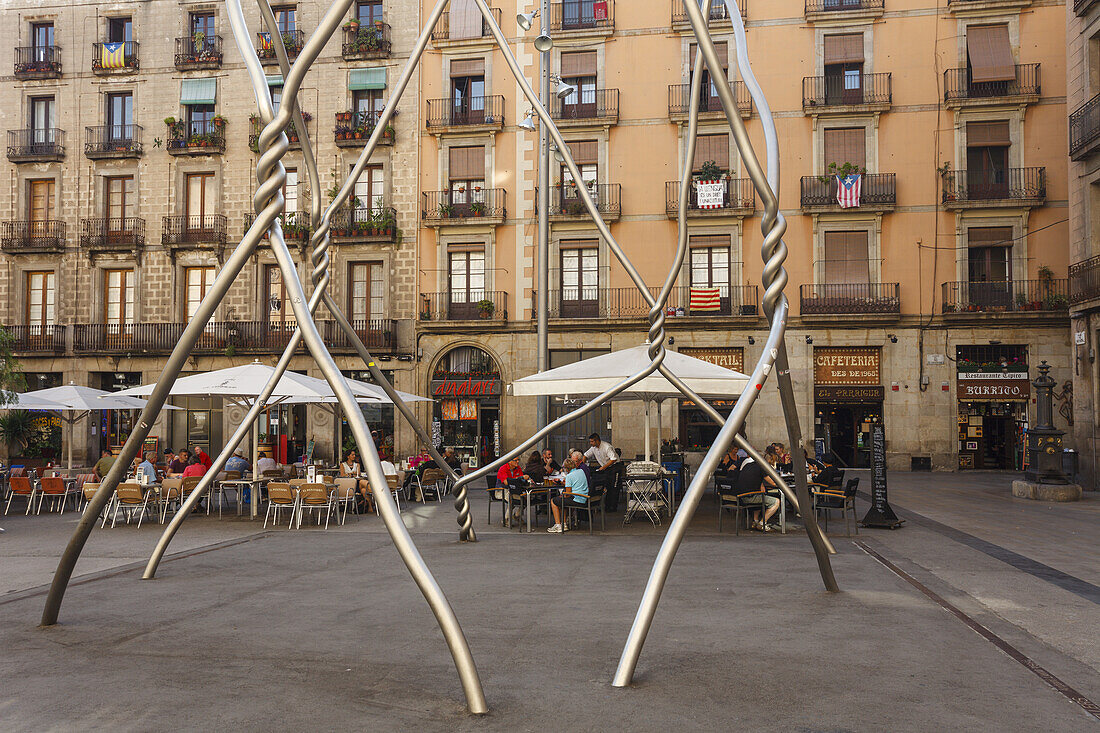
712,147
709,240
846,257
846,145
467,67
585,152
467,163
845,48
990,53
578,63
989,237
363,79
198,91
987,134
579,244
720,47
465,19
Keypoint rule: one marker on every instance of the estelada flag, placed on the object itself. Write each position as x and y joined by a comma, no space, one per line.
112,55
599,10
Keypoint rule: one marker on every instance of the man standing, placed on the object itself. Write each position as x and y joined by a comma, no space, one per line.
610,471
204,459
103,465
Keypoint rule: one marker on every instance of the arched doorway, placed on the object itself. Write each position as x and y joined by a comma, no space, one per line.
466,387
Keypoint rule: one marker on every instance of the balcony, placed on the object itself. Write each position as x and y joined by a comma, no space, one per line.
867,301
618,304
293,140
196,139
567,205
43,339
219,337
484,207
295,224
365,224
353,129
982,7
293,40
198,52
112,141
1082,7
594,108
1084,280
582,18
38,62
831,95
718,18
484,305
1005,188
984,300
1084,129
960,91
194,232
441,35
29,237
878,192
710,107
102,234
843,11
737,198
114,58
366,41
377,334
40,145
473,114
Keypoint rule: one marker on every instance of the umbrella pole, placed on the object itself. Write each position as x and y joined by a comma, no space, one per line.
647,430
659,431
254,494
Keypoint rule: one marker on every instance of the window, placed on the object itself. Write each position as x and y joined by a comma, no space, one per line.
845,145
987,146
368,12
42,42
846,259
467,91
988,265
367,105
710,268
41,205
120,202
118,303
286,16
989,56
280,315
199,280
120,30
586,156
844,68
582,14
202,23
580,279
200,119
579,69
467,177
290,191
365,299
120,116
200,195
370,189
708,92
40,299
42,120
467,280
712,149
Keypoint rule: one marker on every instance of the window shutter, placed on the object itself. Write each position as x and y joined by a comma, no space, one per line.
198,91
585,152
461,247
845,145
846,257
846,48
360,79
712,147
467,163
578,63
709,240
467,67
987,134
989,236
719,46
579,244
465,19
990,53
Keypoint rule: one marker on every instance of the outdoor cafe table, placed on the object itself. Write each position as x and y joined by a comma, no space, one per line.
531,495
238,485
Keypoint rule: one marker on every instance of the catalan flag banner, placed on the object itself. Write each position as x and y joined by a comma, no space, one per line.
265,42
705,299
112,55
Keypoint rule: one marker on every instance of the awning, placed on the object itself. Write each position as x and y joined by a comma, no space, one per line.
198,91
275,81
990,53
367,79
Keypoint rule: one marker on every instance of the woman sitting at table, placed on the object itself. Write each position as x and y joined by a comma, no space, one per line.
752,485
535,468
575,494
350,466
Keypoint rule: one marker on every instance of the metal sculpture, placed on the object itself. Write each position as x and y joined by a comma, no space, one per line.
269,204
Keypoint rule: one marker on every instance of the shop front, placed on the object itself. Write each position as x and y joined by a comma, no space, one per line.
848,397
466,387
992,419
697,430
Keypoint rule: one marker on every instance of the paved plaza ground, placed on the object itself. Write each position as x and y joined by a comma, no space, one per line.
247,629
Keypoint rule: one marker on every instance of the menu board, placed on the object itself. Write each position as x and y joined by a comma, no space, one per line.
880,514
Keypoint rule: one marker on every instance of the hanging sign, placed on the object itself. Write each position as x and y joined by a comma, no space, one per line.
437,434
469,387
993,387
710,194
599,10
846,365
880,515
732,357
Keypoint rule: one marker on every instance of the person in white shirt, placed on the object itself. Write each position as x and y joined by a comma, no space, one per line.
266,463
610,470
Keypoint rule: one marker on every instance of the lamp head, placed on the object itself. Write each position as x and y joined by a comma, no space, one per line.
565,90
523,20
543,43
528,123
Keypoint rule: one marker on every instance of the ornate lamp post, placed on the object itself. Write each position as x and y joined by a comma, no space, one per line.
1044,478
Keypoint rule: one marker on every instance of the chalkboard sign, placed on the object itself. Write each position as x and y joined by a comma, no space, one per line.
880,514
437,434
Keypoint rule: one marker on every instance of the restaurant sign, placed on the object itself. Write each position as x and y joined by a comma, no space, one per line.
732,357
847,365
466,388
993,387
853,394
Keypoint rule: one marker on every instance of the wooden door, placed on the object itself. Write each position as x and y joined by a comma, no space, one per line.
580,282
119,227
200,207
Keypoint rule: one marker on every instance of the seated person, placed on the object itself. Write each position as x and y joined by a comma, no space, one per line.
552,466
729,462
147,468
237,462
350,466
535,468
103,465
751,478
452,460
264,464
195,467
582,464
179,463
510,475
576,485
830,475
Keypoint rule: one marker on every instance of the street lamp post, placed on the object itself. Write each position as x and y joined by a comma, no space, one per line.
542,284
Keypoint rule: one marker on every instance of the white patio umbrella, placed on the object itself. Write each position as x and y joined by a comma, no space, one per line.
74,402
593,376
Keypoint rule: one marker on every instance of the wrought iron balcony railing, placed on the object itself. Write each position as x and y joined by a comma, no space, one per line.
38,144
1084,126
469,204
375,223
292,137
566,201
353,129
377,334
850,299
293,40
718,12
295,224
112,141
593,301
1084,280
46,338
1011,296
958,86
876,189
829,6
844,91
595,105
367,41
196,139
582,15
32,236
105,59
470,111
112,233
736,194
442,32
185,230
679,99
37,62
1023,185
465,305
198,52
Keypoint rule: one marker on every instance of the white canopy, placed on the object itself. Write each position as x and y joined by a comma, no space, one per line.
245,383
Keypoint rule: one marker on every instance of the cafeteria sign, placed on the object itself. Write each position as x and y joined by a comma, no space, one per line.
465,388
846,365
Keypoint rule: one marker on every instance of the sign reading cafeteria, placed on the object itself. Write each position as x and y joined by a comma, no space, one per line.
732,357
846,365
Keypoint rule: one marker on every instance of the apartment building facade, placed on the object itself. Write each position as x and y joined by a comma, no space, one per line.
131,153
925,307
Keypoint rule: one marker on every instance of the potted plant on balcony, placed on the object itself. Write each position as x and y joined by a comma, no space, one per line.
352,25
388,133
198,42
477,208
486,308
446,211
709,171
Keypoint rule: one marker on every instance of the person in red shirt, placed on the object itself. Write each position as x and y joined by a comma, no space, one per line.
194,468
511,476
202,455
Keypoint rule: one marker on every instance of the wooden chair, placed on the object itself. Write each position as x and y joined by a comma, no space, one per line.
187,485
55,488
345,494
431,481
280,496
23,487
315,497
129,496
78,489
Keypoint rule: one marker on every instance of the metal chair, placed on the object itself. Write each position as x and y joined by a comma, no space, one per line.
496,495
394,484
23,487
595,500
280,496
845,501
315,497
187,486
56,489
131,497
346,488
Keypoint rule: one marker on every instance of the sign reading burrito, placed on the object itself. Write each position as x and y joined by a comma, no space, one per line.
846,365
986,387
732,357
